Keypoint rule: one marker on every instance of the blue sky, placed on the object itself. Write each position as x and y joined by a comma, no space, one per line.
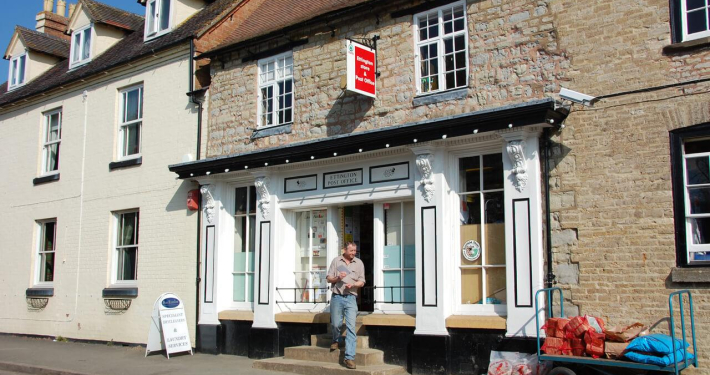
23,13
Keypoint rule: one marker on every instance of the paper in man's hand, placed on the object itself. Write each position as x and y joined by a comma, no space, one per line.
342,268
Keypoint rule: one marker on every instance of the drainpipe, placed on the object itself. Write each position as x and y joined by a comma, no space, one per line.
550,278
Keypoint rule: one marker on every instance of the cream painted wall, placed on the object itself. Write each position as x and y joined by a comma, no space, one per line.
39,63
84,198
18,48
184,9
104,37
82,19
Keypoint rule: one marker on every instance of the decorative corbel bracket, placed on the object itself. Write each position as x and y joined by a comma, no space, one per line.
262,189
208,202
426,184
516,153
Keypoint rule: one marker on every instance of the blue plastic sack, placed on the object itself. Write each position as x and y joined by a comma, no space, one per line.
655,344
658,359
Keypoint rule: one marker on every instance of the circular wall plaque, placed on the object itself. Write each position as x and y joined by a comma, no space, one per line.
471,250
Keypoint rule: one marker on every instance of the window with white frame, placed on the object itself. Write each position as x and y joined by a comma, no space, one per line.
276,90
131,120
482,231
244,244
398,270
126,249
18,65
441,48
694,18
46,248
51,141
81,46
157,17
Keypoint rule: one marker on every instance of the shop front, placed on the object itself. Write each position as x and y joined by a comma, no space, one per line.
446,215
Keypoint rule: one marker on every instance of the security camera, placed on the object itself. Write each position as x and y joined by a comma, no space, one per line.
577,97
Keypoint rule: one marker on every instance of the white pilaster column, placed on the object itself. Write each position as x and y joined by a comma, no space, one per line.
264,285
208,247
429,228
523,227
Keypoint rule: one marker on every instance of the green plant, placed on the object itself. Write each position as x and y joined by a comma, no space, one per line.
61,339
110,343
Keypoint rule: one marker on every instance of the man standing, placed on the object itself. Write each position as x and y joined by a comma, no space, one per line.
346,275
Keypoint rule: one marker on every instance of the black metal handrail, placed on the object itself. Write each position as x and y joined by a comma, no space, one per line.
367,296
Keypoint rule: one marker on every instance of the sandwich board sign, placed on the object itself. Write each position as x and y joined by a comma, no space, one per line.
362,69
168,326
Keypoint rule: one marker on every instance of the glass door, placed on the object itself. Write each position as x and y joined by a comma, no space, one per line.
398,269
244,230
311,256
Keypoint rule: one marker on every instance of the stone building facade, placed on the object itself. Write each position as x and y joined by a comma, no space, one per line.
619,233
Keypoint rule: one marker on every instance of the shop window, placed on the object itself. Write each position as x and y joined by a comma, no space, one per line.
690,149
244,244
52,137
131,121
46,249
398,263
311,256
276,90
126,253
690,19
482,230
441,48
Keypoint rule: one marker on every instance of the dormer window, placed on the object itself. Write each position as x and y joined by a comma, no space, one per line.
81,46
17,71
158,17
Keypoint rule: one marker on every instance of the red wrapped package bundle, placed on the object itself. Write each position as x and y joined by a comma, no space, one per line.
577,347
592,335
554,327
577,326
556,346
595,348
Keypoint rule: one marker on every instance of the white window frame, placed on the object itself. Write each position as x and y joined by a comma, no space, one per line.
246,304
82,34
690,247
684,21
46,143
41,253
274,85
439,40
152,21
455,196
124,125
15,73
116,249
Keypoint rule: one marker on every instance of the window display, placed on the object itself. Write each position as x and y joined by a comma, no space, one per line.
311,256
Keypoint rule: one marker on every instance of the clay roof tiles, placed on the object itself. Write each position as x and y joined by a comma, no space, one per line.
102,13
44,43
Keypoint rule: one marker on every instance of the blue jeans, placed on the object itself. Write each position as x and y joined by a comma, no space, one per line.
344,306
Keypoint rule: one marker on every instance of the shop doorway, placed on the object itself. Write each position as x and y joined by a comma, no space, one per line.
356,225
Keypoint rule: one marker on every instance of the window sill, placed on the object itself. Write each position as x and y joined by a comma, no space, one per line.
687,46
425,99
39,292
157,35
125,163
45,179
478,322
78,64
115,292
271,130
690,275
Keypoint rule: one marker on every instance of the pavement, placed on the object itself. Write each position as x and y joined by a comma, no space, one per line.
28,355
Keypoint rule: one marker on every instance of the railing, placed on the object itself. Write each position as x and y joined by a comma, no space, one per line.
367,295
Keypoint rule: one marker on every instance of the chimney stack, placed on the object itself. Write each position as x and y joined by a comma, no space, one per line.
71,10
51,23
62,8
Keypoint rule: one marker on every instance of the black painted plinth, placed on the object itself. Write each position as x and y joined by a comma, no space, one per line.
236,337
295,334
471,348
263,343
430,354
395,343
209,338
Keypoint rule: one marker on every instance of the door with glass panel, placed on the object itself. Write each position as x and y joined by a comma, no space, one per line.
398,270
244,244
482,233
311,256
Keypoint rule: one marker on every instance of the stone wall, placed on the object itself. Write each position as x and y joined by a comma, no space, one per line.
513,55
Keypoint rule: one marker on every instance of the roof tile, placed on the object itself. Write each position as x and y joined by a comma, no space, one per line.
102,13
45,43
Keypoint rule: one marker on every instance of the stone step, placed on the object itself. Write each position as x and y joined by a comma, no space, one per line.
363,357
324,340
295,366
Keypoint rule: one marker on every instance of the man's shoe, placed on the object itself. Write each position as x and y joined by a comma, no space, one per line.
334,346
349,363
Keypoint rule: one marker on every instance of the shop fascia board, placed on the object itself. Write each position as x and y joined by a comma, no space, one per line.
514,116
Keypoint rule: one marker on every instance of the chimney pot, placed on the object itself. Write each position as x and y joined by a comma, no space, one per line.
71,9
62,8
48,5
